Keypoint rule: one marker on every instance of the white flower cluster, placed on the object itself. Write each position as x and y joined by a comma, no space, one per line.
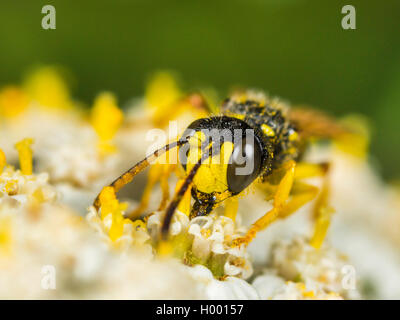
321,271
270,286
133,236
208,241
19,189
76,160
52,248
231,288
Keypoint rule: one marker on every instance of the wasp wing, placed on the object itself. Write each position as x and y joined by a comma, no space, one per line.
312,123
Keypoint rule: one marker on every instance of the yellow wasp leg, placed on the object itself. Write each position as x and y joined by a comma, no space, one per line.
322,216
167,170
231,207
154,176
280,198
309,170
302,194
158,173
322,212
128,176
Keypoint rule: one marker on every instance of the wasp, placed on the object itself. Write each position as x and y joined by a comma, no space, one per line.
258,139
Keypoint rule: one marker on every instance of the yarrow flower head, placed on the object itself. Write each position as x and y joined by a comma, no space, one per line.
21,186
206,241
117,230
107,255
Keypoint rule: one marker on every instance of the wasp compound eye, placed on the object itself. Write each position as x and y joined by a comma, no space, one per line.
244,164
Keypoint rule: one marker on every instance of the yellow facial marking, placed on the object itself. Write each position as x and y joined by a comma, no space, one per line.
267,130
211,176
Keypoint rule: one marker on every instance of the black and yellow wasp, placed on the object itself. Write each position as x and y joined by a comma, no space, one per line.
279,136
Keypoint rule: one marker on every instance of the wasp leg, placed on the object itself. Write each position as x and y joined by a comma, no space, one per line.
309,170
158,173
154,176
322,212
179,195
322,216
302,193
128,176
280,198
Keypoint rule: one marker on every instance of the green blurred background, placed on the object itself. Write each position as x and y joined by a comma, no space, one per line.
296,49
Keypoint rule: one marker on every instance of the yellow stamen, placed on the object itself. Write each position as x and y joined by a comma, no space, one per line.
25,155
47,87
13,101
117,227
109,202
164,98
106,119
162,91
165,248
11,187
110,205
138,224
5,234
307,294
3,161
39,196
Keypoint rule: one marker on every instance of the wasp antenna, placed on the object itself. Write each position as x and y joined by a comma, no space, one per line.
128,176
179,195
